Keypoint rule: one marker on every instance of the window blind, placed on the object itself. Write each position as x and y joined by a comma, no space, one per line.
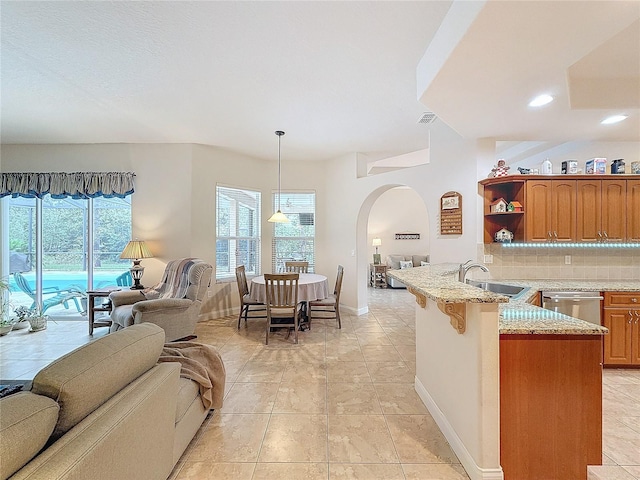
294,240
237,231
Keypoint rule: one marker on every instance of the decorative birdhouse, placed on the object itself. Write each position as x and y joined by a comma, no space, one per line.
499,206
515,207
503,236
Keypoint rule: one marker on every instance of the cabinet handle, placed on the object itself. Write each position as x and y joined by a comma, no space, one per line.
630,317
634,300
606,237
555,235
550,237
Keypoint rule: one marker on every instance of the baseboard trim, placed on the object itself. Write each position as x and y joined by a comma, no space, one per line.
355,311
474,471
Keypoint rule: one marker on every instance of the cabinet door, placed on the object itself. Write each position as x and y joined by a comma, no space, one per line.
563,210
617,344
633,210
538,210
635,340
589,207
614,225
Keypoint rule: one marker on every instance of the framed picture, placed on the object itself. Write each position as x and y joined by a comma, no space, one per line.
450,203
376,259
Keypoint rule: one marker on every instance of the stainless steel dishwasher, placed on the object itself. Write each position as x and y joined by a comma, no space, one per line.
586,306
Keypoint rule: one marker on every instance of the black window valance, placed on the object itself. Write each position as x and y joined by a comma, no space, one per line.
61,185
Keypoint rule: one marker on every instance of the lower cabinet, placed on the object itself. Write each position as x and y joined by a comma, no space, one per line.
622,318
550,406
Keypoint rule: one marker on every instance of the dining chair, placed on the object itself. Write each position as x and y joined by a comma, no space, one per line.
296,267
330,304
246,303
282,302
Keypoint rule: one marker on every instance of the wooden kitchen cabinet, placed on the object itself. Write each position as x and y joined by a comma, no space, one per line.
550,406
633,210
551,206
565,208
622,318
600,205
512,190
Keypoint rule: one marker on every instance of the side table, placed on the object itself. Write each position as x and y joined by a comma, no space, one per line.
92,296
378,275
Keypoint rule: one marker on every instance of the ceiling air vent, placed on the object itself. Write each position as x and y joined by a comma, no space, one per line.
427,117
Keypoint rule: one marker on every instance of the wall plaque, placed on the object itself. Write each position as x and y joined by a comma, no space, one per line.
407,236
451,214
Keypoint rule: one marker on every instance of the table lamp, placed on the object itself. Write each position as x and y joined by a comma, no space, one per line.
376,256
136,250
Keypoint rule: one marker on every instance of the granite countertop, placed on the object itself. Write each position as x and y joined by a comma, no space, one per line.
517,316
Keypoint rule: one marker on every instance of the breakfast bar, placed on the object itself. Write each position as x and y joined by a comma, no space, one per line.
515,389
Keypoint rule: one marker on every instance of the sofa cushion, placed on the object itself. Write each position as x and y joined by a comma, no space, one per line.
393,261
85,378
419,258
26,423
406,264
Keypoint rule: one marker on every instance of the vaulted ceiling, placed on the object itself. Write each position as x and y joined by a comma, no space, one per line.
338,77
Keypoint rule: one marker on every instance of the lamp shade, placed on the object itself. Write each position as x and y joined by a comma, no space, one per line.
376,242
278,217
136,249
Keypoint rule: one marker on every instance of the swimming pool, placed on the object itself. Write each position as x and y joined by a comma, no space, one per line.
65,280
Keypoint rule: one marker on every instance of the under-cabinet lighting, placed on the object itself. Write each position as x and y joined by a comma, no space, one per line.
541,100
570,245
614,119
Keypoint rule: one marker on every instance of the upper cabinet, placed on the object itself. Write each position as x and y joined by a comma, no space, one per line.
633,210
565,208
600,210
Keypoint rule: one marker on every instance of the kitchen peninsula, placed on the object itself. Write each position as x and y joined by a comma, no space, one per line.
516,390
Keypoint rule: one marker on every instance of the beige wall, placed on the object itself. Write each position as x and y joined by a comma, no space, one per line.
174,204
399,210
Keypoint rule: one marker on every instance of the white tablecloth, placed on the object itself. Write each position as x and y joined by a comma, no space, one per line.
311,286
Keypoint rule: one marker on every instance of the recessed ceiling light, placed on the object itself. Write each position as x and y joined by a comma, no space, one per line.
541,100
613,119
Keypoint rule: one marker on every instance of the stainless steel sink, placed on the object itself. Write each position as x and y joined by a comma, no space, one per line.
502,289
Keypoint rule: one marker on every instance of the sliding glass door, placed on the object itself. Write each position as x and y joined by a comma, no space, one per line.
60,248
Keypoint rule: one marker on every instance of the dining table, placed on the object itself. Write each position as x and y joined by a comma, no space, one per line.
311,286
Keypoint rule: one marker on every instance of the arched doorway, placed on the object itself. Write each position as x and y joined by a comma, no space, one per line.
393,208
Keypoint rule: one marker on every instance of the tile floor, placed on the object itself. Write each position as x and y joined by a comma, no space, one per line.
340,405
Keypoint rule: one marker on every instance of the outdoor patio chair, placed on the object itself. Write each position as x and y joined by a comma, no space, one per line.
52,296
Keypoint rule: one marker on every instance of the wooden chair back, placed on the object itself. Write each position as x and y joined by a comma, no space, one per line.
241,279
296,267
338,286
282,301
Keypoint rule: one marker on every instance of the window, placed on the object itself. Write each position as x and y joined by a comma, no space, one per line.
237,232
295,240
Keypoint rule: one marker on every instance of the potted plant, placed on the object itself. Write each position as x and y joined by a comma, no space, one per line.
21,320
6,323
37,319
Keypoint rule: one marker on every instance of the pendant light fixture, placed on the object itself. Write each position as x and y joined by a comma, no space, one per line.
279,217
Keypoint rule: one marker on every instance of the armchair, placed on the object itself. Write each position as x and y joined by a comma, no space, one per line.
173,304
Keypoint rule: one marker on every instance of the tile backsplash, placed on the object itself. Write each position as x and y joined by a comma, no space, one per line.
549,263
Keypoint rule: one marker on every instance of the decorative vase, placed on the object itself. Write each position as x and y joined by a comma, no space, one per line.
37,323
4,329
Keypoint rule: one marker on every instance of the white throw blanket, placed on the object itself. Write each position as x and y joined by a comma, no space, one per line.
175,280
